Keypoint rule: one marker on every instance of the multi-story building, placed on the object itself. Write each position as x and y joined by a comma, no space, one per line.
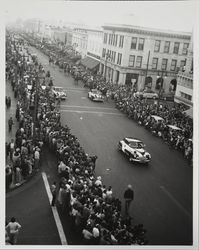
80,41
143,57
63,35
89,45
184,90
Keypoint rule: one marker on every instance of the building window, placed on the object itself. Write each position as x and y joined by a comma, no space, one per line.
166,47
114,54
176,47
141,44
111,56
185,48
113,39
119,58
138,61
131,61
121,41
105,37
109,38
116,37
157,46
155,63
133,42
173,65
164,64
182,65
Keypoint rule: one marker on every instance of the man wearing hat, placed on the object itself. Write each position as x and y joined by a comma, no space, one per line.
128,196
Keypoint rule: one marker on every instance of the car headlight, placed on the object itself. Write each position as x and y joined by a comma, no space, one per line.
137,155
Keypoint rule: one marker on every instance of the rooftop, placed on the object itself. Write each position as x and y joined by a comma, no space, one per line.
131,28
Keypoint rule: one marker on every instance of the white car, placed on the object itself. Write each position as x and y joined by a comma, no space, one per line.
95,95
59,92
147,94
134,149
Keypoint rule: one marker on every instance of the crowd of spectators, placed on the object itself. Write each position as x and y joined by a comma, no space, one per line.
178,136
95,211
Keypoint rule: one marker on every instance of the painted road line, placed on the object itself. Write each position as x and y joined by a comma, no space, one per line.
54,210
71,106
76,89
91,112
176,202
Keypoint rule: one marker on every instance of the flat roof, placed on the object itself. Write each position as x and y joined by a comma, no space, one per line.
147,30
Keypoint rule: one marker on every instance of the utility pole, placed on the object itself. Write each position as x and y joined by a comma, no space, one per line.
107,56
160,89
147,67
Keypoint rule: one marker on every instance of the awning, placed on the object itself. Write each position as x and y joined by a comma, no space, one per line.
89,62
189,112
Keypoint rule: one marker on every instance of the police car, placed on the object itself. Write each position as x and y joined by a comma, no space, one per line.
134,149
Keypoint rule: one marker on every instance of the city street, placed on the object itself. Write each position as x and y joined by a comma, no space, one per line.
163,190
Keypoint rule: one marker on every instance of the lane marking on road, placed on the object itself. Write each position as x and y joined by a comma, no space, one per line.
75,89
71,106
176,202
54,210
91,112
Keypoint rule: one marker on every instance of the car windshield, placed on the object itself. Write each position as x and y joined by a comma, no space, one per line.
95,91
148,91
58,89
134,144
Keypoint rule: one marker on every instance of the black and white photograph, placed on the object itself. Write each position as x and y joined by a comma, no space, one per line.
100,114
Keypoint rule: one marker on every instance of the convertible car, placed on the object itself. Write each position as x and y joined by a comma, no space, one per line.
95,95
59,92
134,149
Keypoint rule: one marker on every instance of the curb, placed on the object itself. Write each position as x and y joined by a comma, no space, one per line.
23,182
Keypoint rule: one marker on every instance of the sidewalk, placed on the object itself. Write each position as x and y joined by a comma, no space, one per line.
11,112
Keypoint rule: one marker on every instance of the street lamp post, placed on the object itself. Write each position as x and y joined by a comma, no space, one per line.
107,56
161,86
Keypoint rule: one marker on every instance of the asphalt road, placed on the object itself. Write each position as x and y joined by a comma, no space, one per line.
30,205
163,190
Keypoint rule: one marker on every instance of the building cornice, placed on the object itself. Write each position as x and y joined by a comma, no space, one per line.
147,32
87,30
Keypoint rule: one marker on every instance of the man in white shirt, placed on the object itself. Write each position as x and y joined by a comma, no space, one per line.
36,158
13,228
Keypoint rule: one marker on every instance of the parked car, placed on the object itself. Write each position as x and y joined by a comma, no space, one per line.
134,149
95,95
147,94
59,92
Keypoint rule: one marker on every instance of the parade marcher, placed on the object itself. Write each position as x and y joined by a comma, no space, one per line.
13,228
128,196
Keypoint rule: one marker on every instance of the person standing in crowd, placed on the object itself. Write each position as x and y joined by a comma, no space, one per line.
54,193
36,157
13,228
10,123
11,148
128,196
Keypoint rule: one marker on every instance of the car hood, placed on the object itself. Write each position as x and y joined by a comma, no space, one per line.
140,150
